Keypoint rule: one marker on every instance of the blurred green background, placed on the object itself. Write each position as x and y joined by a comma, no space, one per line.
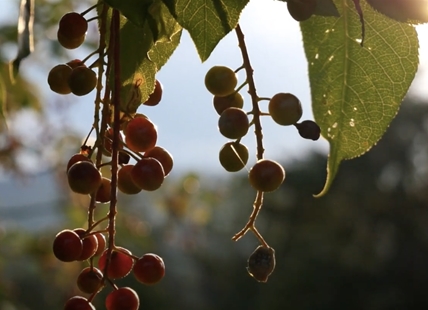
362,246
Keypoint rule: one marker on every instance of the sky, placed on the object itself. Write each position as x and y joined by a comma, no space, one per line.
186,119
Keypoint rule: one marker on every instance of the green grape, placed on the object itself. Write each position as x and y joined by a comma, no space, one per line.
266,175
285,109
221,81
233,156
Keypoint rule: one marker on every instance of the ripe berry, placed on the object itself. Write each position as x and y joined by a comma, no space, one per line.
78,303
156,96
73,25
101,240
75,63
285,109
261,263
266,175
104,191
234,100
124,298
164,157
89,244
67,246
58,79
233,123
309,130
70,43
84,177
75,158
233,156
221,81
140,134
149,269
120,263
82,81
148,174
89,280
301,10
124,181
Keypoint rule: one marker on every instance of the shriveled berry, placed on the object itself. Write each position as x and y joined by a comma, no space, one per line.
309,130
261,263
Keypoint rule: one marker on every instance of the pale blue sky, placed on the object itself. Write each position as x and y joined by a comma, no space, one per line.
186,119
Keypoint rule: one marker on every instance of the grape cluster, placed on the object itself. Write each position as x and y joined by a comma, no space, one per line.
136,136
265,175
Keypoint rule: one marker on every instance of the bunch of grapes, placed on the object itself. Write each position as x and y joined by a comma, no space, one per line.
136,138
265,175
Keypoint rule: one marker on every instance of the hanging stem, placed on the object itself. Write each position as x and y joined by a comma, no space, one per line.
258,202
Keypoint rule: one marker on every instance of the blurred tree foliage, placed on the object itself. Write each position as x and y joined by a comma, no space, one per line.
362,246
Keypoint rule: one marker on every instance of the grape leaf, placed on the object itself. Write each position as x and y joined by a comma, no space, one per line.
357,91
142,56
207,21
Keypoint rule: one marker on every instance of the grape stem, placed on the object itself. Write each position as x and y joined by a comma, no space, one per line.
257,206
114,56
101,48
258,202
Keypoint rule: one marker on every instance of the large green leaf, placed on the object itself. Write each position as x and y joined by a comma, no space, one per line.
142,54
357,91
207,21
